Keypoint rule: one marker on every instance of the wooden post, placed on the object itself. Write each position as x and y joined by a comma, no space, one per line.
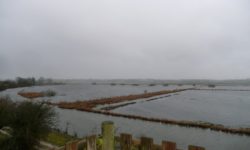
166,145
146,143
191,147
108,135
72,145
91,143
82,144
157,147
67,146
126,141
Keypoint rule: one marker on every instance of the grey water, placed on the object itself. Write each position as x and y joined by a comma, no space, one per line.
86,91
85,124
229,108
222,107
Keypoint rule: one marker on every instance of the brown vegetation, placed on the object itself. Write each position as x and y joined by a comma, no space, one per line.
47,93
31,94
203,125
117,106
90,104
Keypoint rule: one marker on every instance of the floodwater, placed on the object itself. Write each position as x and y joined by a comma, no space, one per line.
86,91
229,108
88,123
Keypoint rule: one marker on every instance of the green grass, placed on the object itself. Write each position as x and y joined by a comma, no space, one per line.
58,139
54,138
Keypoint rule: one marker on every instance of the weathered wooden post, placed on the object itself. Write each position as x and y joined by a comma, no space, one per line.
146,143
191,147
166,145
74,145
126,141
67,146
108,133
71,145
82,144
91,142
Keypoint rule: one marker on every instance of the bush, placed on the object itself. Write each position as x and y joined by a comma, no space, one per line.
6,111
49,93
30,122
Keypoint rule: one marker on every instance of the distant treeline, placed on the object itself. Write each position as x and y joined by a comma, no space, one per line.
23,82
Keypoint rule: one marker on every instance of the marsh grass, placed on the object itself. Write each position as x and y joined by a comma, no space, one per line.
58,138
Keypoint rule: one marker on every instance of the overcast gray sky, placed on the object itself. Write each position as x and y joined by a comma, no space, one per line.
166,39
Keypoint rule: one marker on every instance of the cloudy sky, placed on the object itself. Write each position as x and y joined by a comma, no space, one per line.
165,39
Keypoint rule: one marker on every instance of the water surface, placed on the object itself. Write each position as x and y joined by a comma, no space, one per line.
224,107
229,108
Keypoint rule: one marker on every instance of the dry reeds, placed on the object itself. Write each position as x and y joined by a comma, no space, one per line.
89,104
31,94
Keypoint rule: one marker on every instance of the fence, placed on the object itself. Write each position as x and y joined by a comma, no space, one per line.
123,142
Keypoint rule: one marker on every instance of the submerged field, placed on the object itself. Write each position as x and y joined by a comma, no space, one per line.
229,108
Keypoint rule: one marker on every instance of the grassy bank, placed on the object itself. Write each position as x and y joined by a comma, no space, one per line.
58,138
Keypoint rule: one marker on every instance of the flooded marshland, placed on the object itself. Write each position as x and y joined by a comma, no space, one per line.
229,108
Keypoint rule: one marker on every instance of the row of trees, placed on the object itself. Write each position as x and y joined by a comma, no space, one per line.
22,82
29,122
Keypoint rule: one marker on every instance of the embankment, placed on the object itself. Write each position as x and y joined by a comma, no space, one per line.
31,94
202,125
90,104
47,93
